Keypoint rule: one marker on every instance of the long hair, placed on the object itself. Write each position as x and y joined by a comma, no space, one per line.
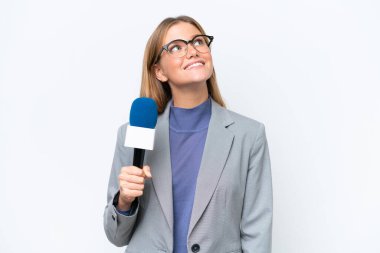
150,85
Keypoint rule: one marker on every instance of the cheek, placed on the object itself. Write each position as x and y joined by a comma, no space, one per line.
209,59
211,64
173,66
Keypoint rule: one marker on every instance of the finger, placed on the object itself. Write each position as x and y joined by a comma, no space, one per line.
132,186
133,179
132,170
147,172
132,193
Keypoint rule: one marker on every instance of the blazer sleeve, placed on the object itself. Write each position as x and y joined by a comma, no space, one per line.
256,223
118,227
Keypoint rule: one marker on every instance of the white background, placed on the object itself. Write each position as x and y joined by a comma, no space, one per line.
309,70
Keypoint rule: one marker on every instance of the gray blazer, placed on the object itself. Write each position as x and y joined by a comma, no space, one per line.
232,210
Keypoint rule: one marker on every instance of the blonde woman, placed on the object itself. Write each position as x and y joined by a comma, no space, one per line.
206,186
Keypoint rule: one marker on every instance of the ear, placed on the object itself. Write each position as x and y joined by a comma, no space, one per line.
160,75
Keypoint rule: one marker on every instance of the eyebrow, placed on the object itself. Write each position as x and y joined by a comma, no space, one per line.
192,36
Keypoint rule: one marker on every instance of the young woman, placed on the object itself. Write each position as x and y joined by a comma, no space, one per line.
207,183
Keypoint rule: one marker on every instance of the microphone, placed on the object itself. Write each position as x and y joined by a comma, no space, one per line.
141,128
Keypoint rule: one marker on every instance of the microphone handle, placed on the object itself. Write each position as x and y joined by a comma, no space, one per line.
138,157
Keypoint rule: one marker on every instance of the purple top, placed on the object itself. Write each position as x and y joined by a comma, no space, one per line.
187,135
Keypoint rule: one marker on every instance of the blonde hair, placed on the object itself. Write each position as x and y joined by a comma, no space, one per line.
150,86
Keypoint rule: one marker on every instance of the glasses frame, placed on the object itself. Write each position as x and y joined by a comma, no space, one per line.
166,46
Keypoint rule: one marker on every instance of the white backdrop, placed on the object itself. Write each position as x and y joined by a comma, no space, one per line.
309,70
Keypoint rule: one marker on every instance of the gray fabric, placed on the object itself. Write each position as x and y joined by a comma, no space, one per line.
232,209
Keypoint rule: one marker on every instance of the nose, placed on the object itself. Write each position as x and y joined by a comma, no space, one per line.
191,51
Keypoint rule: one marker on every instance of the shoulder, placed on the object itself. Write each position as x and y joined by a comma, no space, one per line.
123,127
244,122
241,126
244,126
122,131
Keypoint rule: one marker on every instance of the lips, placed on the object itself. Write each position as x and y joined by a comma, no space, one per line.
194,64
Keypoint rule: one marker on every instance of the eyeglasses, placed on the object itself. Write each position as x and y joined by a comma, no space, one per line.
178,48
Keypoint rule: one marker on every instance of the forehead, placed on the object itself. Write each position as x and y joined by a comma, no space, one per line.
181,30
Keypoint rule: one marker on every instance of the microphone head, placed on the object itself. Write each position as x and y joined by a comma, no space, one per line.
143,113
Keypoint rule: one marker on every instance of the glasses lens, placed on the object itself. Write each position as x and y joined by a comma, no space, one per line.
201,43
177,48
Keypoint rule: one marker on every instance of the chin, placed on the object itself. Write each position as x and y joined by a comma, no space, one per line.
198,81
199,78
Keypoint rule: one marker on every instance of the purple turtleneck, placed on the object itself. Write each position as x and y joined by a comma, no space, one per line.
188,131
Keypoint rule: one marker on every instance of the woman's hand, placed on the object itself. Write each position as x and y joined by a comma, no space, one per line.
131,181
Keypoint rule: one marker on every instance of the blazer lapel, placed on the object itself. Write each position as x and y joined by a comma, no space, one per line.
159,159
217,147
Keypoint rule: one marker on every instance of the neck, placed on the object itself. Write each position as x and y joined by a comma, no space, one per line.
189,96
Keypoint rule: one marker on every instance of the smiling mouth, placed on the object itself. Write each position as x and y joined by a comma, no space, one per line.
193,65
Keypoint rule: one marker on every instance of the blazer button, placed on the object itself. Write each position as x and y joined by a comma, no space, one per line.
195,248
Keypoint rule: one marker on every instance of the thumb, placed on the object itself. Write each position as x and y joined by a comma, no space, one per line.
146,170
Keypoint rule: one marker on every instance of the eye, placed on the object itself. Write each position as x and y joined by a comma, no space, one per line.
176,47
199,41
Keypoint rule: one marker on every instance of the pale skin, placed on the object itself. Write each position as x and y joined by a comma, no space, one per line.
189,89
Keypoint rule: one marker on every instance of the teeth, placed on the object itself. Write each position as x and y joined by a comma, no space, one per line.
194,65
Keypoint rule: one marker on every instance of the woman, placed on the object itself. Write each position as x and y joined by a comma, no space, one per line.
207,184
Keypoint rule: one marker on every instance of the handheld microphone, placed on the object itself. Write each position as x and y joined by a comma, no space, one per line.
141,128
